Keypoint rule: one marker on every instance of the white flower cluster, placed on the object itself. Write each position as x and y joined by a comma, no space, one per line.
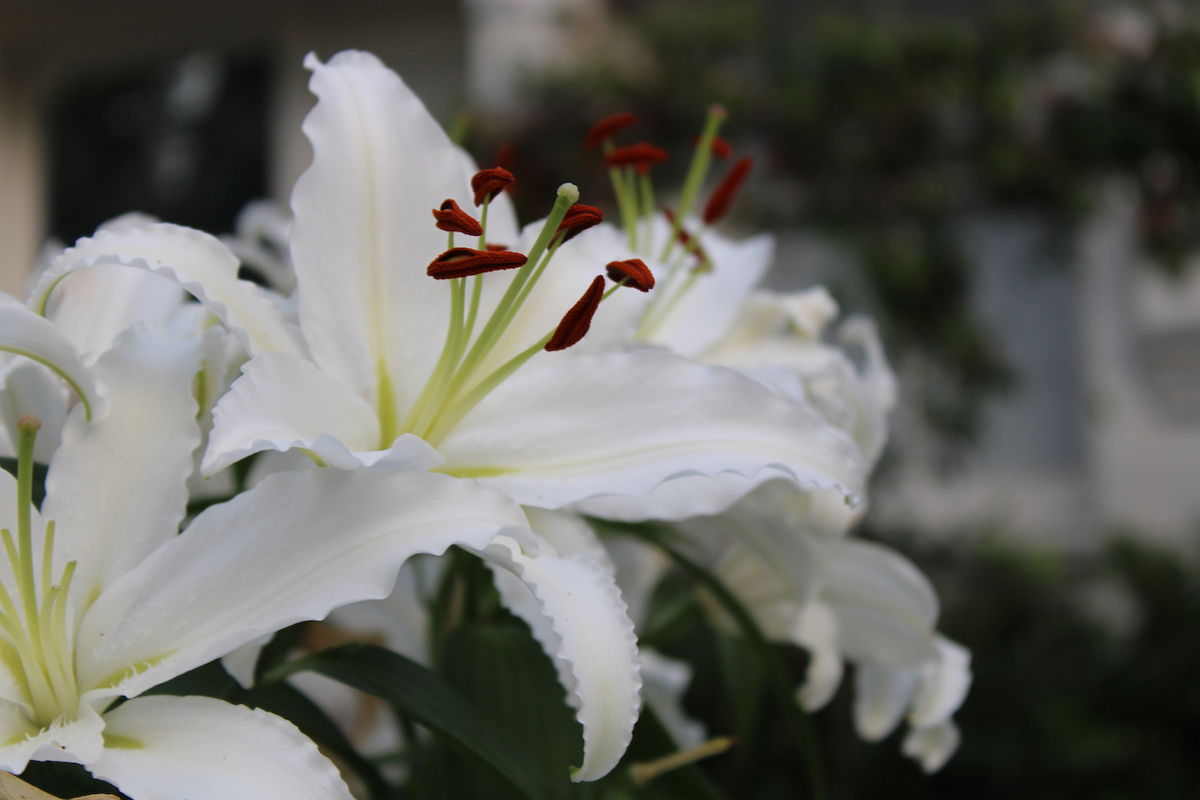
404,399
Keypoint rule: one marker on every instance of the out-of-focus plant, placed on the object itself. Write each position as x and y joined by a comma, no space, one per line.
883,135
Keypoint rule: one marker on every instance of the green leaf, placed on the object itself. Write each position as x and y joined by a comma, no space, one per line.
9,465
778,681
505,674
427,699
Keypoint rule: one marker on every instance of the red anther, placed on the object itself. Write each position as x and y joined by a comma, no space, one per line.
634,272
579,218
640,156
504,156
578,319
488,183
496,248
605,128
721,148
461,262
453,219
690,244
720,201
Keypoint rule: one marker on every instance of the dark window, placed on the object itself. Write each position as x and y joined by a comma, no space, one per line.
183,140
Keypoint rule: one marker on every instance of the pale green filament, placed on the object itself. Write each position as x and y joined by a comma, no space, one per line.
39,634
695,175
647,191
622,182
452,415
449,393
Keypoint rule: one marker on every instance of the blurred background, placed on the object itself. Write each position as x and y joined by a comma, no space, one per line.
1011,189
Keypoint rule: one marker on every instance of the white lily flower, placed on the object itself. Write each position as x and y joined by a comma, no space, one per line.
561,428
844,600
103,599
376,392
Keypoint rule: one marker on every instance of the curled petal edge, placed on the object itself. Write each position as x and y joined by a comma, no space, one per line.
211,276
597,660
24,333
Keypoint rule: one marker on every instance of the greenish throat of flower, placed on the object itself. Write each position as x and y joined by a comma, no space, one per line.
35,643
458,383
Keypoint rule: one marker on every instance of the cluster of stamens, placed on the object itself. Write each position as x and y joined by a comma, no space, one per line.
34,624
629,168
455,386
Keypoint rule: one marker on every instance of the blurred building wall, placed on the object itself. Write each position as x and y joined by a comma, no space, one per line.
46,45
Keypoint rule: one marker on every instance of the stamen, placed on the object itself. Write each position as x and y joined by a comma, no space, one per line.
723,196
696,172
607,128
634,272
578,319
640,156
721,148
690,243
453,219
492,247
487,183
579,218
460,262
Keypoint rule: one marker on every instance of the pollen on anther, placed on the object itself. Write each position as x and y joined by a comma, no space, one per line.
723,196
453,219
641,156
487,183
462,262
578,319
578,219
608,127
634,272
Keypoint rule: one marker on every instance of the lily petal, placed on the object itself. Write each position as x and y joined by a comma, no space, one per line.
816,631
703,316
283,402
944,686
96,305
293,548
200,748
79,741
575,610
932,747
30,388
199,263
363,234
142,448
886,609
27,334
664,680
623,423
880,697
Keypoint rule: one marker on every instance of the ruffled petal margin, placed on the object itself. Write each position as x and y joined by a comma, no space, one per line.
575,610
